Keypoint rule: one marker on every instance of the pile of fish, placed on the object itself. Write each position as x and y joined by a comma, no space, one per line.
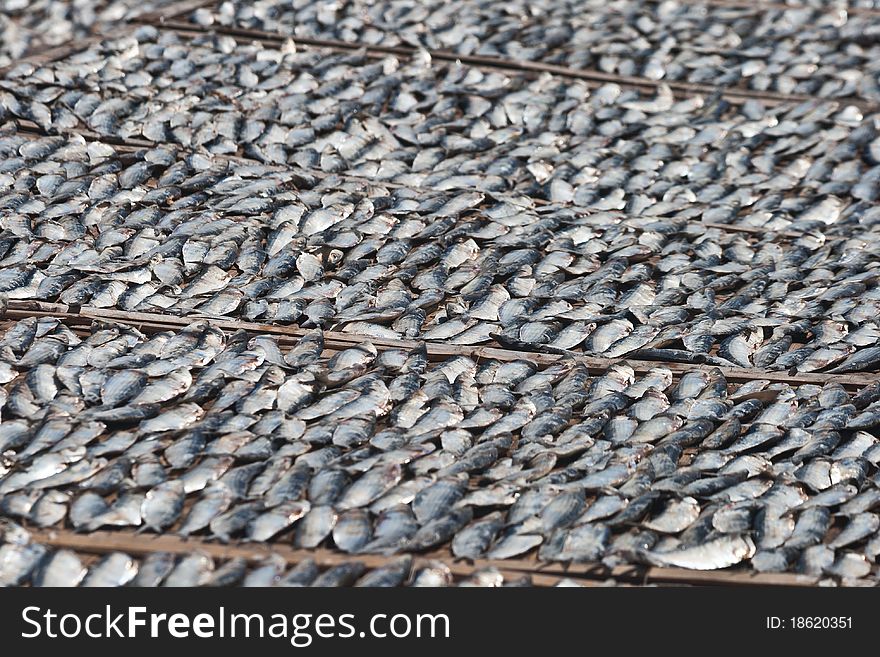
382,206
240,437
30,26
425,124
818,51
837,4
163,231
599,268
25,561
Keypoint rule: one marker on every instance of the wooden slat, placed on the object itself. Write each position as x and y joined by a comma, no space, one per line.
84,315
733,95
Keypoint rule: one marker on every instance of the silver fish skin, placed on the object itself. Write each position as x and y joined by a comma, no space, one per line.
580,544
860,526
191,570
440,530
17,562
514,544
213,501
713,555
230,573
677,516
162,505
392,575
370,487
276,520
353,530
344,574
435,500
473,541
116,569
63,569
393,528
435,574
234,521
153,569
315,526
302,574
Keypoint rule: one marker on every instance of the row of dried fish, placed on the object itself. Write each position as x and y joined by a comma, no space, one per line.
239,437
24,561
851,5
454,126
30,26
822,51
162,232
